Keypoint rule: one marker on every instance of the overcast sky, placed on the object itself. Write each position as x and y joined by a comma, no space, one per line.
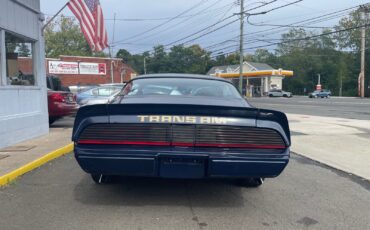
199,14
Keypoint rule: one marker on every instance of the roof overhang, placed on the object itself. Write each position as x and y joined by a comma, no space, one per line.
260,73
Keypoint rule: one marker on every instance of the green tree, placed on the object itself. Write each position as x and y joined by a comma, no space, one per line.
64,37
23,50
124,55
158,61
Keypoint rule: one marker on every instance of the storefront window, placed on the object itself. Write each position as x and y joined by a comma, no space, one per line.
19,61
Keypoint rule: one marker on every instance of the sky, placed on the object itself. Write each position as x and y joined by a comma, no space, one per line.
142,24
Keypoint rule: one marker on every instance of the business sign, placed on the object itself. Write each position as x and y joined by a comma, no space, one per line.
61,67
93,68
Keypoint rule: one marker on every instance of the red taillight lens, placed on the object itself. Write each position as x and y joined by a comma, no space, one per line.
57,97
252,146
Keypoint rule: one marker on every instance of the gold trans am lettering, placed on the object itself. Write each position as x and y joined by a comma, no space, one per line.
182,119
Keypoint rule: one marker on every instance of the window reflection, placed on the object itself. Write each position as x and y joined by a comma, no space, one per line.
19,61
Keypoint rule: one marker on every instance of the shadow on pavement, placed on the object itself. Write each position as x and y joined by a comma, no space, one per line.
65,122
160,192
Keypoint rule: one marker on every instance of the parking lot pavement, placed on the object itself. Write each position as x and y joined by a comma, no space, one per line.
352,108
307,195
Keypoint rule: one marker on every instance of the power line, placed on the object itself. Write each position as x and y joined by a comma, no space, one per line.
181,22
164,23
204,12
302,39
291,26
264,12
308,21
218,22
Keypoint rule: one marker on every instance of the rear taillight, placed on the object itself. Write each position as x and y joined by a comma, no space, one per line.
200,136
58,97
179,144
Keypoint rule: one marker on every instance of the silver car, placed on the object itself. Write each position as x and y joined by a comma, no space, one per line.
98,100
279,93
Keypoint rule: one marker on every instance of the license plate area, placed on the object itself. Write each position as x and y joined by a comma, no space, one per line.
182,167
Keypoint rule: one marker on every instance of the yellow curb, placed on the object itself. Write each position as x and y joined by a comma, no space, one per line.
7,178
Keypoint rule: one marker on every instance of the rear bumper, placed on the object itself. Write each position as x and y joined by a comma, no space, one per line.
180,164
62,109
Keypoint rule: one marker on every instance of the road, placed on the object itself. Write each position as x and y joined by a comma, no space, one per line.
307,195
353,108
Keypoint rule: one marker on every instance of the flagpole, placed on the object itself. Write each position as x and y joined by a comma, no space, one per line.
52,18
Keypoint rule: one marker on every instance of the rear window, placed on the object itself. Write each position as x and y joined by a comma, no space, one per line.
180,87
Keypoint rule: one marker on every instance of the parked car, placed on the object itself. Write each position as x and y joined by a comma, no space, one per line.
60,104
114,84
55,84
279,93
320,93
97,92
80,88
98,100
181,126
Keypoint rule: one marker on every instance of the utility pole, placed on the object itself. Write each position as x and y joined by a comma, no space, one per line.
241,48
111,50
144,65
113,33
366,12
362,74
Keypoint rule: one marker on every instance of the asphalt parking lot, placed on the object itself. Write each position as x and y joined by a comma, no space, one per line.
308,195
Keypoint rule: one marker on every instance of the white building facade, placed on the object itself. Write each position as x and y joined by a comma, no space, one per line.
23,100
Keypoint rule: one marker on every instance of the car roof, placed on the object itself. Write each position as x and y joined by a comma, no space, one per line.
180,75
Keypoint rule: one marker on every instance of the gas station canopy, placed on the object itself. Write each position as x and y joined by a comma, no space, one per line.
259,73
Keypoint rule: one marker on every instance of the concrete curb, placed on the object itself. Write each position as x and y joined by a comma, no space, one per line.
7,178
333,166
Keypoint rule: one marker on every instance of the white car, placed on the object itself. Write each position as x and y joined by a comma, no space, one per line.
279,93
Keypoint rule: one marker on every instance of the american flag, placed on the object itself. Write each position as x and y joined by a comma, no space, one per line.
90,15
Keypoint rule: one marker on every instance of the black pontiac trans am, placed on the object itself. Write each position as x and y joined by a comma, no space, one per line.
181,126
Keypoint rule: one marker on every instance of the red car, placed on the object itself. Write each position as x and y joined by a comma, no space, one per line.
61,104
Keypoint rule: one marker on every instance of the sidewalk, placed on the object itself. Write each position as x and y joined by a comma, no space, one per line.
25,156
338,142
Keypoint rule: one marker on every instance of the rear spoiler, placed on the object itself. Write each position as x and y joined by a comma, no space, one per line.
101,113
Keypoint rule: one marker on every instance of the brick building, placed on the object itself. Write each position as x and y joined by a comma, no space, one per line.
121,71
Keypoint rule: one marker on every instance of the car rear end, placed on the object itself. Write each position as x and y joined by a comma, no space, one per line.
61,104
181,141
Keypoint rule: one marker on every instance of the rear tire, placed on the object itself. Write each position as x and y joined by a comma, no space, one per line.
101,179
252,182
270,95
52,120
